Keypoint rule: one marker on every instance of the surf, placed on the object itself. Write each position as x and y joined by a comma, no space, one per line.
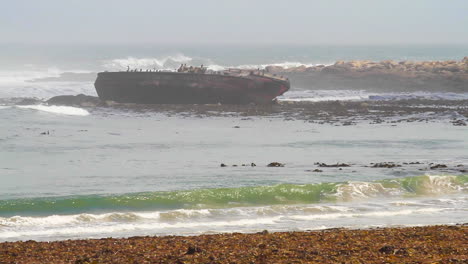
281,194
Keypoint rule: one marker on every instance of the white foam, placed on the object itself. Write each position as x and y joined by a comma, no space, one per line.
242,219
162,63
305,95
115,228
64,110
25,221
285,65
171,61
438,184
4,107
360,190
419,95
324,95
19,77
367,214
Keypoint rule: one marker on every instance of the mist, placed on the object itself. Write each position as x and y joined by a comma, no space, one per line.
234,22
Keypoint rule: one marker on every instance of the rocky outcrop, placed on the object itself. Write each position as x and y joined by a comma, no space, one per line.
385,75
75,100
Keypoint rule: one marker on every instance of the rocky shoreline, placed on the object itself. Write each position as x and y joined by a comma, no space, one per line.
326,112
451,76
429,244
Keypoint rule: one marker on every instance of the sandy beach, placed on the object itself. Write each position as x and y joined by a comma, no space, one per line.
429,244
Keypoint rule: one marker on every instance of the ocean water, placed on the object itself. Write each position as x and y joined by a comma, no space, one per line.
68,172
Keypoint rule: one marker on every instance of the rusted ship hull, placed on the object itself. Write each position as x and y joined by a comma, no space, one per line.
187,88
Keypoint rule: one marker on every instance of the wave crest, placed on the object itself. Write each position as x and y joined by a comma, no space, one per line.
283,194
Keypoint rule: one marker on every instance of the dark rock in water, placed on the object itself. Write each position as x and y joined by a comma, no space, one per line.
253,164
317,170
459,123
75,100
438,166
332,165
385,165
223,165
275,164
348,123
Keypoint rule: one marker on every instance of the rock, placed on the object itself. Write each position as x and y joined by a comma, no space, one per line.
75,100
459,123
274,69
388,74
389,64
223,165
253,164
317,170
387,249
438,166
275,164
385,165
332,165
192,250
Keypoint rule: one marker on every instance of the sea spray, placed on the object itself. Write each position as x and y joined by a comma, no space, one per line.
160,63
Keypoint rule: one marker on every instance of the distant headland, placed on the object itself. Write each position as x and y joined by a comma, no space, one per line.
381,76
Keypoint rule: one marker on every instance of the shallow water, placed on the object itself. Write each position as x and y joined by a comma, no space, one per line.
118,173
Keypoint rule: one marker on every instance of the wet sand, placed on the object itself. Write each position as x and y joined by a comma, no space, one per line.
430,244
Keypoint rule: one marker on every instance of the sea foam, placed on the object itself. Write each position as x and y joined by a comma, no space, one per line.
64,110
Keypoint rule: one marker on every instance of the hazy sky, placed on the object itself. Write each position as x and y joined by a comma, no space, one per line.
234,21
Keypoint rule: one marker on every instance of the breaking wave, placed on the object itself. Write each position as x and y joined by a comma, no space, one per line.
173,61
246,209
64,110
282,194
162,63
14,77
285,65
